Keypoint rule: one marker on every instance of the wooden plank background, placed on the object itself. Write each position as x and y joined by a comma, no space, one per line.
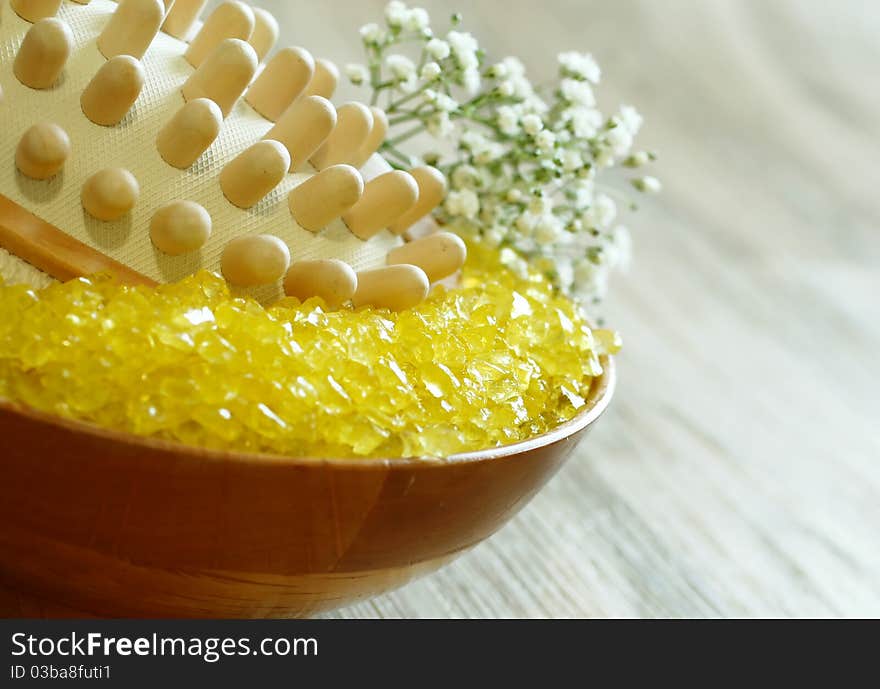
738,470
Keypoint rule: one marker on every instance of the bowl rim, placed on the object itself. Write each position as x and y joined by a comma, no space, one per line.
599,397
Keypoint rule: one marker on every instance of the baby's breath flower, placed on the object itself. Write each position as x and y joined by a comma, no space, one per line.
648,184
577,92
400,66
532,124
639,159
506,89
547,230
604,210
446,103
437,48
372,34
439,125
464,177
620,140
631,118
396,13
464,203
464,48
545,140
572,160
416,19
507,119
357,73
493,236
430,71
580,66
523,171
470,79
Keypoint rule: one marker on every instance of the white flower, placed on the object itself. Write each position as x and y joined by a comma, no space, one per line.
473,140
514,195
604,210
464,177
470,79
372,34
631,119
498,71
584,271
464,47
396,13
585,122
577,92
639,159
430,71
580,65
620,140
508,120
547,230
571,160
445,103
648,184
400,66
416,19
507,88
463,203
437,48
513,67
532,124
540,204
545,140
439,125
491,151
357,73
493,236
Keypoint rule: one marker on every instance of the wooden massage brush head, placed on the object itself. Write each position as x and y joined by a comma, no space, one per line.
139,140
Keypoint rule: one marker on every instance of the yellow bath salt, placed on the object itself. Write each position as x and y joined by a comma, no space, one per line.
494,361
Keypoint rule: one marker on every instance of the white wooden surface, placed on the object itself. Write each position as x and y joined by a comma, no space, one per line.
738,470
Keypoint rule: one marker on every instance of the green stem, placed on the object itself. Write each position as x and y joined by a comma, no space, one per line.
409,134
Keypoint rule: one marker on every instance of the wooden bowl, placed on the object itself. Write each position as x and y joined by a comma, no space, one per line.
96,522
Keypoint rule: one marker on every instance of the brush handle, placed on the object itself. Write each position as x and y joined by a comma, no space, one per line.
46,247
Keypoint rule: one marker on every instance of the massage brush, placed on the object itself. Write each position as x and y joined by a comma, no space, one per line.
140,141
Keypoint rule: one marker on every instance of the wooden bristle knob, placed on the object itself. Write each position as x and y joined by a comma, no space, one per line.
303,127
229,20
35,10
42,151
131,28
113,90
181,18
224,75
374,139
250,176
281,82
393,287
255,260
180,227
43,53
332,280
432,190
385,199
326,196
265,34
353,124
439,254
189,133
110,194
324,80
